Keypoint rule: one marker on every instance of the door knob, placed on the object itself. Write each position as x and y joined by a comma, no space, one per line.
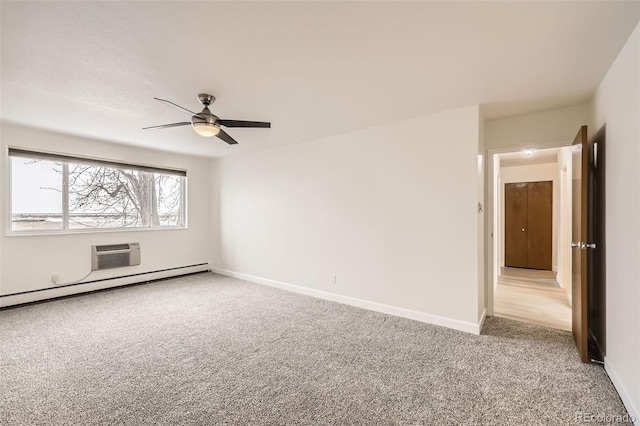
574,245
522,229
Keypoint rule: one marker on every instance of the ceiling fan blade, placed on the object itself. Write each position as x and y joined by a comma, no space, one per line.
225,137
180,108
166,126
240,123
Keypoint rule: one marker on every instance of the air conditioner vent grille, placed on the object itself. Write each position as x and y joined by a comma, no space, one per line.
112,247
114,260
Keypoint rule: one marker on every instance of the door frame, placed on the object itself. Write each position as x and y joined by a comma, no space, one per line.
491,249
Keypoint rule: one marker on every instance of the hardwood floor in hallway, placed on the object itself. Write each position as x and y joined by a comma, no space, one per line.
532,296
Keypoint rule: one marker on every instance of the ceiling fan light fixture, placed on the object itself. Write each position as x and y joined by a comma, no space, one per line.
206,129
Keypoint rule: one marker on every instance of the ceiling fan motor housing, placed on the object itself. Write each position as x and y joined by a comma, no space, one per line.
206,99
204,117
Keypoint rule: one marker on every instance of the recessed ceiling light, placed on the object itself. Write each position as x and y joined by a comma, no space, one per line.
527,152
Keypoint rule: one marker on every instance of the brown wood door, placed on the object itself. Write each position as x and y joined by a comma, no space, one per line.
596,258
539,220
528,224
580,165
516,244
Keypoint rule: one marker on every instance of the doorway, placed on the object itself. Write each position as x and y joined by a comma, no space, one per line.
530,288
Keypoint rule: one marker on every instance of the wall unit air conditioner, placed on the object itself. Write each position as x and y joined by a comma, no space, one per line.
114,256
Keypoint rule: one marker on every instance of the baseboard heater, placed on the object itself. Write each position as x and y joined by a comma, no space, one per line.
139,274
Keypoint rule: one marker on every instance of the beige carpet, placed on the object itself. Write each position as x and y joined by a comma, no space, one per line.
210,350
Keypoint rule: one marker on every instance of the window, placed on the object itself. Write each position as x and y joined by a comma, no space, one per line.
36,195
54,193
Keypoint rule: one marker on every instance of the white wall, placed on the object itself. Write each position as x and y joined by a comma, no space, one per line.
540,130
616,104
29,261
391,211
532,173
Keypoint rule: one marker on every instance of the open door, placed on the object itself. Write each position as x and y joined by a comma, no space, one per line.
579,241
597,275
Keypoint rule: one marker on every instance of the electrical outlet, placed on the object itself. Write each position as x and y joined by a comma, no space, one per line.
333,279
54,278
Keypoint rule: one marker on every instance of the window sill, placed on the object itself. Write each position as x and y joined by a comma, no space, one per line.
9,233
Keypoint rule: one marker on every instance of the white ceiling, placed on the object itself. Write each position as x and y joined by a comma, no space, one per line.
314,69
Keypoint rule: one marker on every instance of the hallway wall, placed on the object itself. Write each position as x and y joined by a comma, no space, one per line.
564,220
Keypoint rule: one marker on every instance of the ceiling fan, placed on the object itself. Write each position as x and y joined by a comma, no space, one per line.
205,123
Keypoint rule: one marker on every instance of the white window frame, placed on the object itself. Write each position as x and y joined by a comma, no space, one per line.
65,159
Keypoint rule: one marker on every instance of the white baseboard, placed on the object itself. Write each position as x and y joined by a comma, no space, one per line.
624,395
465,326
54,292
481,322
